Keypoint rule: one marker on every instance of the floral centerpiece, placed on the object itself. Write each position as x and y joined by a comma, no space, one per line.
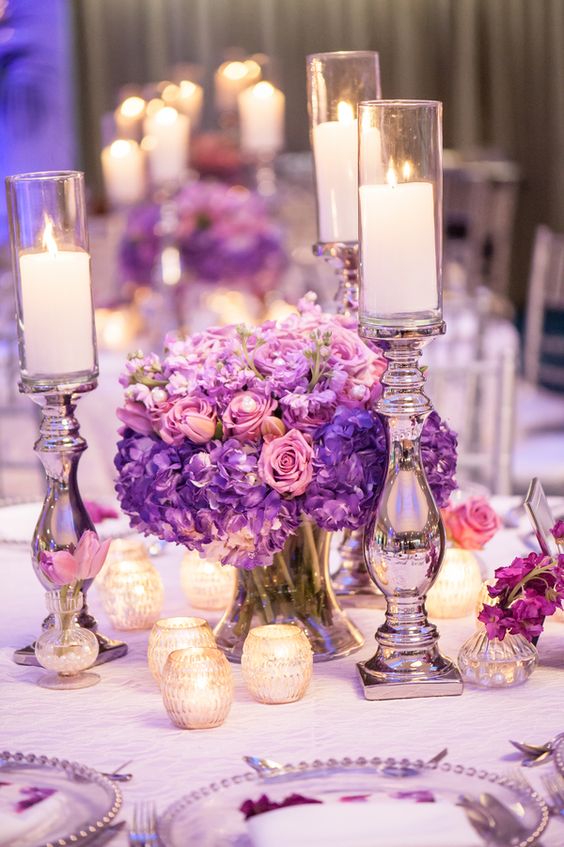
223,233
250,445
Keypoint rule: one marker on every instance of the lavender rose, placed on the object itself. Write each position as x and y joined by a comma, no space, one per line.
188,417
246,413
286,463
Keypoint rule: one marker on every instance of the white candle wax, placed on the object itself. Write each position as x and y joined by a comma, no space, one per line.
230,78
261,119
129,117
124,172
399,267
190,101
169,134
335,148
57,311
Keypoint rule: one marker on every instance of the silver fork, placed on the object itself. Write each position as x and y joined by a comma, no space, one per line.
554,786
143,832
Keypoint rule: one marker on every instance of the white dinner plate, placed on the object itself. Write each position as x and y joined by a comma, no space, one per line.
87,801
210,817
18,520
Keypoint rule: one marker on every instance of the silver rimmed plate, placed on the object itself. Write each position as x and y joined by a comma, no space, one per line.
210,817
18,520
78,802
559,756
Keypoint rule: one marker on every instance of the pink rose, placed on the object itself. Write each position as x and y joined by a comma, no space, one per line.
350,350
471,524
188,417
64,567
136,416
285,463
246,413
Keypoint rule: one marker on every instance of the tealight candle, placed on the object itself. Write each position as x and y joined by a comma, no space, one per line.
197,687
277,663
123,167
261,119
129,116
167,138
457,587
207,584
170,634
132,593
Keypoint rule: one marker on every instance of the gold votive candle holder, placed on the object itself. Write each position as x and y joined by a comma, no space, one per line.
132,593
207,584
122,550
170,634
277,663
197,687
458,585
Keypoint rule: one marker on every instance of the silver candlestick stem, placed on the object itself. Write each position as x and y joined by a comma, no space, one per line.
63,518
352,580
404,540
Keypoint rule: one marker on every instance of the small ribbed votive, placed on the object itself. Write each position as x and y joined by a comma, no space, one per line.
207,584
457,587
197,687
132,593
277,663
171,634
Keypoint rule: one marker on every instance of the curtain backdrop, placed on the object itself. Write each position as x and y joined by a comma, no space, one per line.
497,65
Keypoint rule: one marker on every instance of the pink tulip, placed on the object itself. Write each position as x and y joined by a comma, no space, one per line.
63,567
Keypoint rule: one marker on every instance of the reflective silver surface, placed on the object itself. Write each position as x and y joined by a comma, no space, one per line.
343,257
405,539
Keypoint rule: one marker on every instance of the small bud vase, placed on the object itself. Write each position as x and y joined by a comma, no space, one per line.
491,663
66,649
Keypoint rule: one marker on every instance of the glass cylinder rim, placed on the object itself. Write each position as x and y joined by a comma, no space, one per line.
44,176
341,54
181,622
272,631
365,105
187,652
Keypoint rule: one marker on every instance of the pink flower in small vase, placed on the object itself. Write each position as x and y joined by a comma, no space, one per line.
64,567
558,533
471,524
285,463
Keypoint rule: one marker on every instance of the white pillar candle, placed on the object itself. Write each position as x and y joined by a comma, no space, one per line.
167,138
57,309
129,118
399,264
190,101
335,151
124,172
261,119
230,79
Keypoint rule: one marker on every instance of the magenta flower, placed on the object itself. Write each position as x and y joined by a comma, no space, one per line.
250,808
558,532
64,567
285,463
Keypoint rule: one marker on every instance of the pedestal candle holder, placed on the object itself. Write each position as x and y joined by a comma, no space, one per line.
400,216
58,358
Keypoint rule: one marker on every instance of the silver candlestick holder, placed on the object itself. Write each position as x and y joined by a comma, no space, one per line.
63,518
342,256
405,538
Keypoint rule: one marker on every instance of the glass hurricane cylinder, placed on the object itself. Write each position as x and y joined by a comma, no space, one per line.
491,663
170,634
197,687
277,663
207,584
132,594
297,589
400,210
66,648
458,586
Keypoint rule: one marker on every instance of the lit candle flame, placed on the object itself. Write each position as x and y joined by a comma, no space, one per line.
263,90
391,174
132,107
345,112
235,70
48,239
187,88
407,170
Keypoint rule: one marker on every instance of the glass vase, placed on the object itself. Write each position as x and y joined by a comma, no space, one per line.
491,663
66,649
297,589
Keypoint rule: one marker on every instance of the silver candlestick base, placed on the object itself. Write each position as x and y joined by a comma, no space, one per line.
405,539
63,518
343,257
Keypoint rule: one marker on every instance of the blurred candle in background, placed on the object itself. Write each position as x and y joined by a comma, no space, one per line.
123,166
129,118
230,79
261,119
189,101
167,136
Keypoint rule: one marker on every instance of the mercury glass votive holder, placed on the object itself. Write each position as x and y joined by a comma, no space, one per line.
170,634
207,584
458,585
132,594
277,663
197,687
122,550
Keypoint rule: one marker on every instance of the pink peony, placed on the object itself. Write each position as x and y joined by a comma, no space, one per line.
285,463
188,417
245,414
471,524
136,416
64,567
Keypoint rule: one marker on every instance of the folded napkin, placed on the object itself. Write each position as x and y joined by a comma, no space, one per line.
27,811
387,823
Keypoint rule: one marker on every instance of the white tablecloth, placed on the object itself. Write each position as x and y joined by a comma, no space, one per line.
123,718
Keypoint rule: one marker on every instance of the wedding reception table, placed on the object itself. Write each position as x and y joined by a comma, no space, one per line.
122,719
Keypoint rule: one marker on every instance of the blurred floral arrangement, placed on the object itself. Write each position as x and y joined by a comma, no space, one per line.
237,435
526,592
470,525
223,233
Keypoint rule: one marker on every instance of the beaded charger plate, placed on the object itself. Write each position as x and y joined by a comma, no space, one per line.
559,756
47,802
210,816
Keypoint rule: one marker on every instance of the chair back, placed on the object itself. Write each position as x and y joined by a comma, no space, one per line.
546,292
